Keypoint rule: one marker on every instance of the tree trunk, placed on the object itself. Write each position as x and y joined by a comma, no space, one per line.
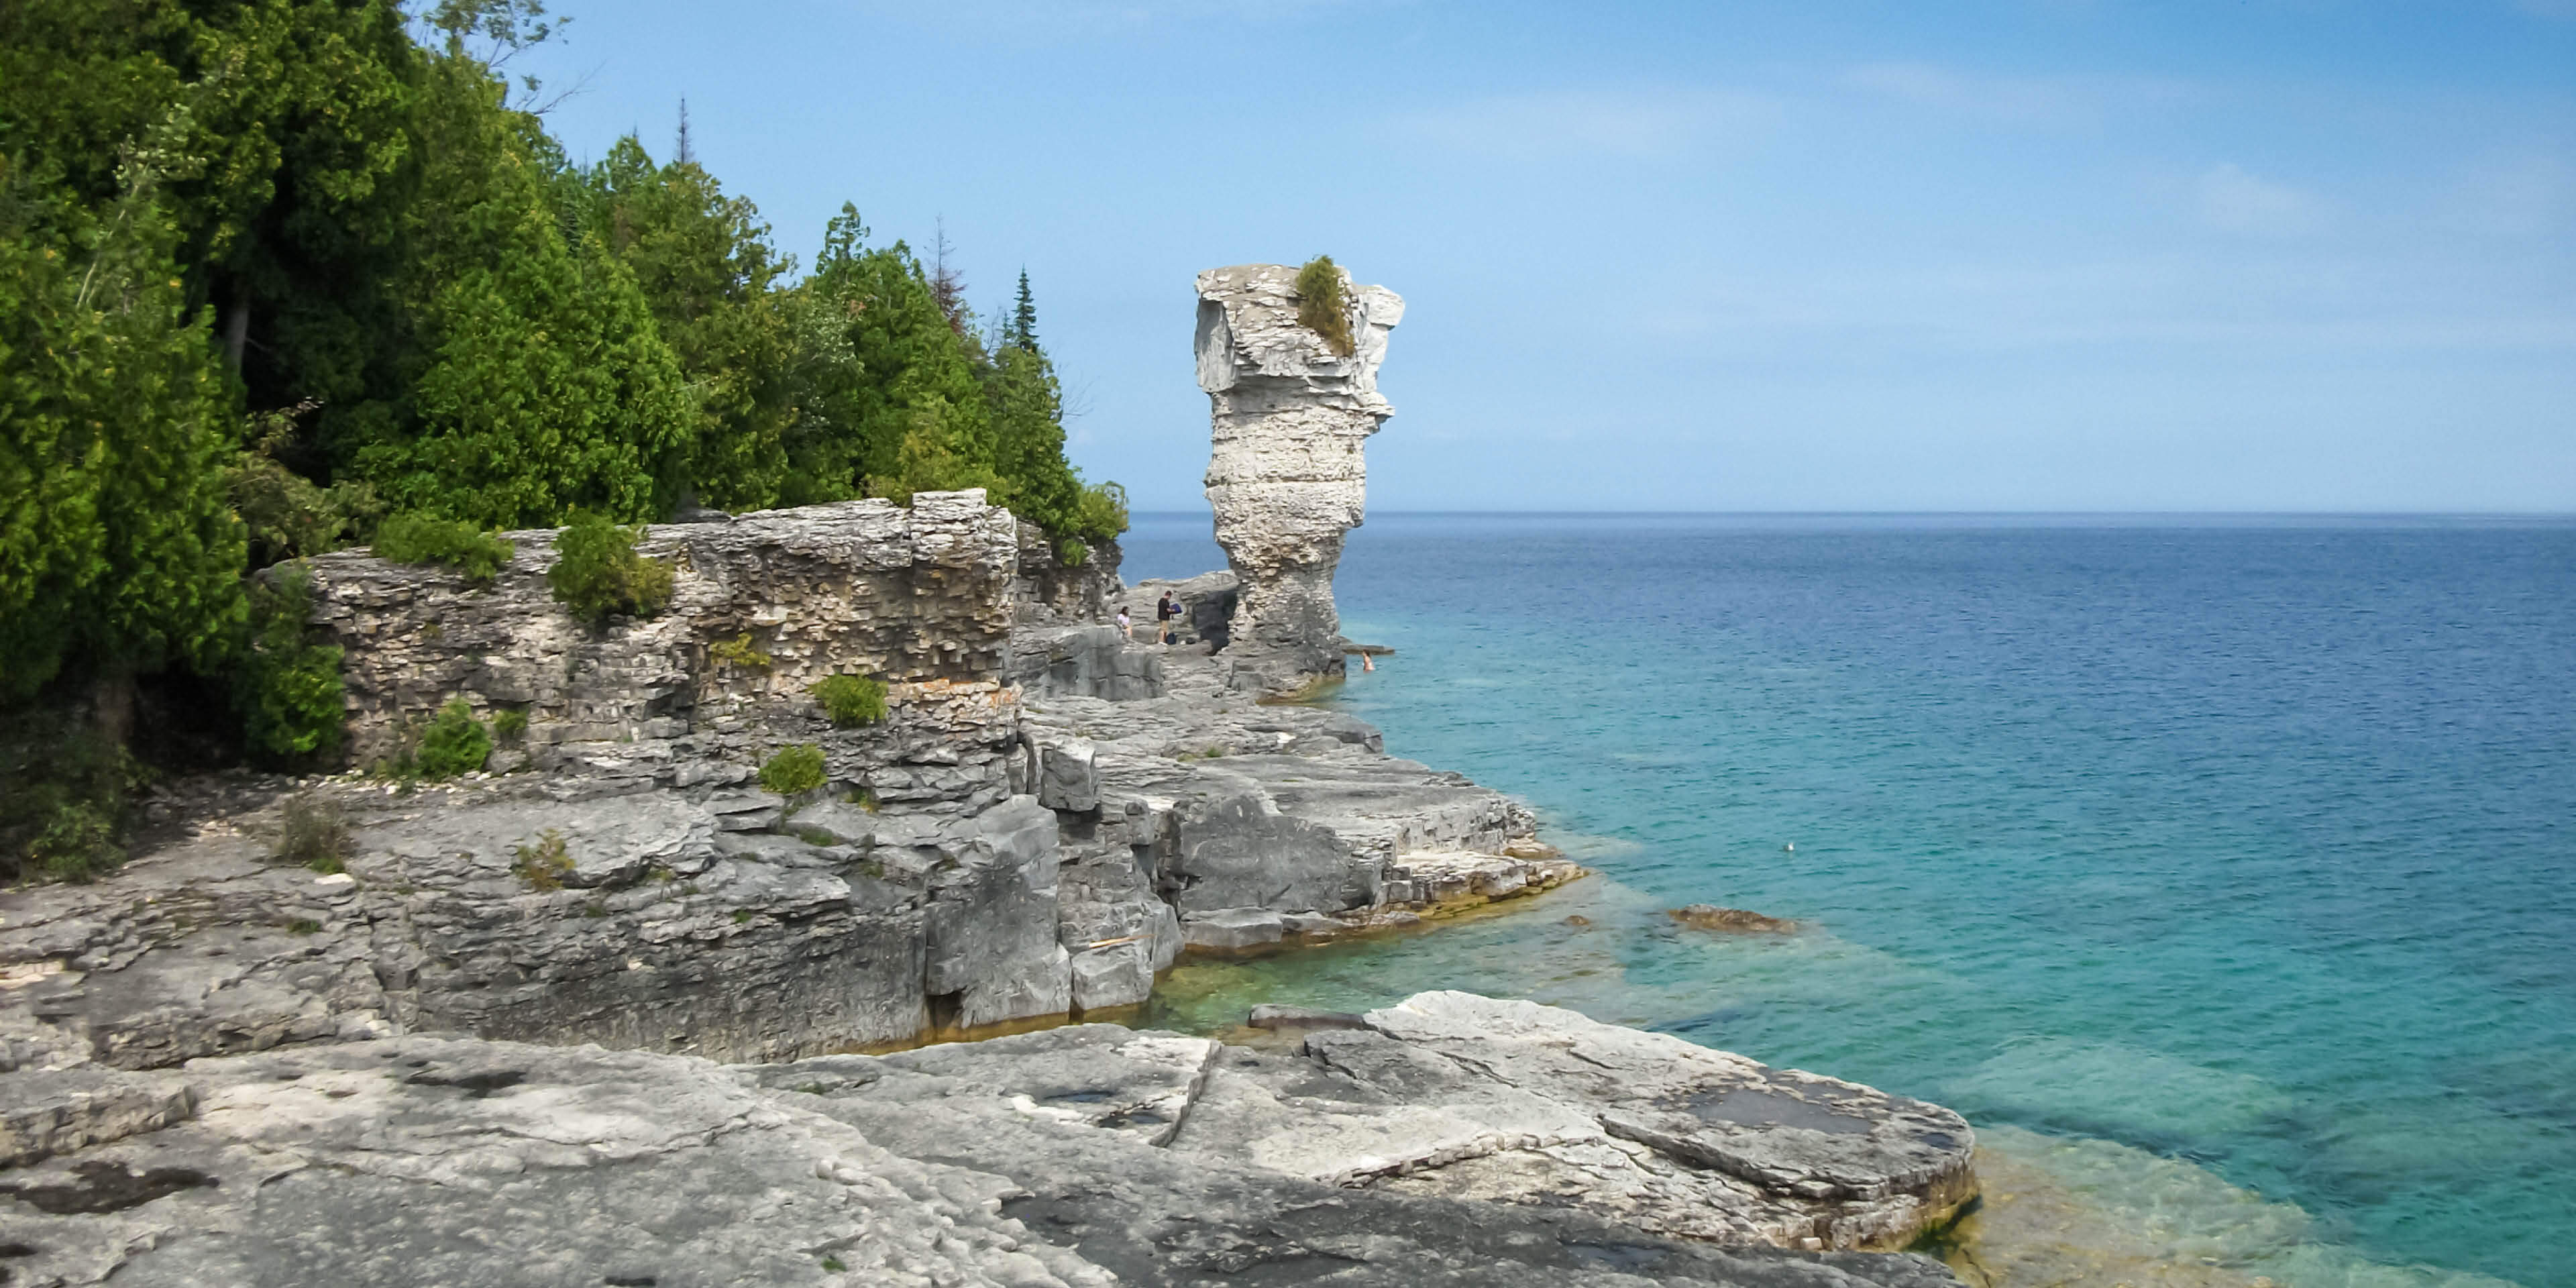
111,698
236,333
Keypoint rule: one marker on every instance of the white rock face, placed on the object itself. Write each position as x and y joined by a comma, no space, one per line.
1286,476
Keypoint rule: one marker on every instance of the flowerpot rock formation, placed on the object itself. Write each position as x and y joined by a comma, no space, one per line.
1286,476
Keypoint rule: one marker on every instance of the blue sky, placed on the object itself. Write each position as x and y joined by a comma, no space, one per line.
2005,255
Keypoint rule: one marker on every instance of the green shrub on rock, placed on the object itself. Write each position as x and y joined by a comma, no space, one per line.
63,793
793,770
286,687
420,539
851,700
454,743
1321,305
597,573
510,727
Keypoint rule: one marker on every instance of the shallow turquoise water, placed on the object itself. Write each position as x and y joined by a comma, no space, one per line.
2251,844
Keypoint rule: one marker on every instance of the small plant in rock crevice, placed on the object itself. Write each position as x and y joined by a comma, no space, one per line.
851,700
544,865
1322,305
793,770
739,652
510,726
314,834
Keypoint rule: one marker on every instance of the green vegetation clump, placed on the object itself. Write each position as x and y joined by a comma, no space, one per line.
454,743
1322,306
739,652
63,796
286,688
421,539
544,865
315,834
598,574
793,770
289,516
510,726
851,700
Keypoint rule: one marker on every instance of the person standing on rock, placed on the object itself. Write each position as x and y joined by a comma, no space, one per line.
1164,612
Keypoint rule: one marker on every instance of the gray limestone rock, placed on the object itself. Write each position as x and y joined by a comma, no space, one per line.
906,595
1087,1155
1226,928
1068,775
1286,476
993,950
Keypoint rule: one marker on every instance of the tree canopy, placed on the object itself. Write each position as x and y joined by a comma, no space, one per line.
304,263
272,271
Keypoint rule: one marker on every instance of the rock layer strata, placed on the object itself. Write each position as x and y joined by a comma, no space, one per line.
215,1067
1286,474
1084,1156
977,858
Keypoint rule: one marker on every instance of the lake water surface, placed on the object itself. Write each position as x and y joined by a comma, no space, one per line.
2222,871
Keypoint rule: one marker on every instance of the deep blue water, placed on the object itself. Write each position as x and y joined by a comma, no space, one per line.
2247,842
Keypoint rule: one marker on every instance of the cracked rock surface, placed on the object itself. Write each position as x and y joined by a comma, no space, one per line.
1088,1155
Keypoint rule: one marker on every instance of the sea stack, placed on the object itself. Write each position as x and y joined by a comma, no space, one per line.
1286,476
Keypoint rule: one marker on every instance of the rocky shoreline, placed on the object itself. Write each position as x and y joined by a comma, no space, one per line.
611,1011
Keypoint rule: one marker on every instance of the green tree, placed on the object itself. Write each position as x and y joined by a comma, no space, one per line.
116,546
1021,331
705,265
540,383
887,389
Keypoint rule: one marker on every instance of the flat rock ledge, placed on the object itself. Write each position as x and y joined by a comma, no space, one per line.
1451,1139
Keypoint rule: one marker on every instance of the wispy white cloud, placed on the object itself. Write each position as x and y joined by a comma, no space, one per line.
2231,199
2010,100
2547,8
2531,195
1555,124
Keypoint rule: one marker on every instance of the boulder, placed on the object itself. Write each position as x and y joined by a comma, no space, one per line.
1227,928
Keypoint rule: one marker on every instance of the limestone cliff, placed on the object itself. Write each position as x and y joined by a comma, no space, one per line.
1286,475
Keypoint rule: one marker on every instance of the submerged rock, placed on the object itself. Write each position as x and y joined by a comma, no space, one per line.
1708,916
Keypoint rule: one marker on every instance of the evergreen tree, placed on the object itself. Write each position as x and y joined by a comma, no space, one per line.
705,265
1022,330
880,364
538,381
117,552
